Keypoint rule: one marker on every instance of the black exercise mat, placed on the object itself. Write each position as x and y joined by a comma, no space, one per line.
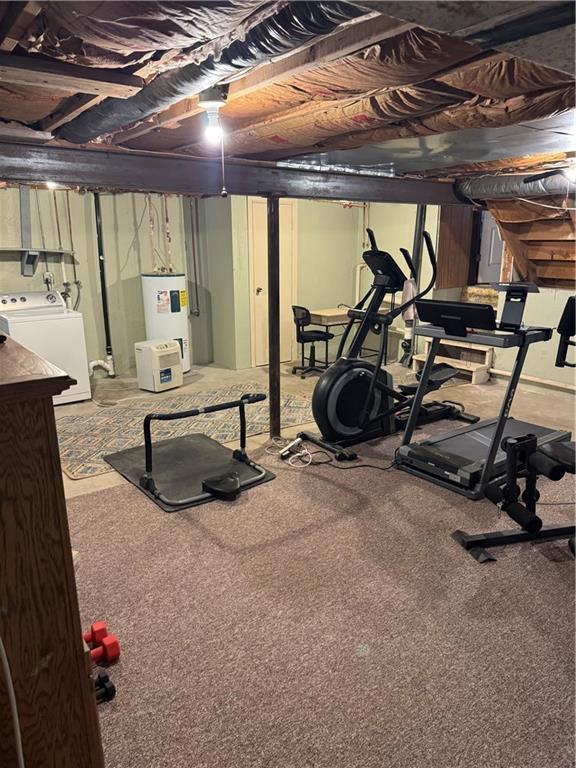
179,466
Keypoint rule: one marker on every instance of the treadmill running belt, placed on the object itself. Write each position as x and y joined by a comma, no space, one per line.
472,445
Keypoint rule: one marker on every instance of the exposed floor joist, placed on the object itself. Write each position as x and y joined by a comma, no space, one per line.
530,29
342,42
137,171
75,105
18,18
71,108
59,76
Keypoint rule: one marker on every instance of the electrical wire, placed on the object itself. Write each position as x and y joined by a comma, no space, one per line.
545,205
361,466
302,458
57,218
78,295
167,235
137,230
13,705
556,503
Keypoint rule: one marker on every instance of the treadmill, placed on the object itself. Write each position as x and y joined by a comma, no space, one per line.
466,460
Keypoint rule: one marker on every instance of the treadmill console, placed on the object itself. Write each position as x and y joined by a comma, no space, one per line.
455,317
383,267
513,310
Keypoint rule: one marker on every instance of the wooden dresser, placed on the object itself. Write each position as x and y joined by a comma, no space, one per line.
39,618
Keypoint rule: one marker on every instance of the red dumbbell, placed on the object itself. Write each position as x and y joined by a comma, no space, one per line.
107,652
98,631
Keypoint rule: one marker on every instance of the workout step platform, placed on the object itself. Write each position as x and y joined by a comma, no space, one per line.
183,467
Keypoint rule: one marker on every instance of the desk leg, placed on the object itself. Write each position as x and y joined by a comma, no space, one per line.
326,355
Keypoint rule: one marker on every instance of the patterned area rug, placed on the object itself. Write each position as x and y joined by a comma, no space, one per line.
85,438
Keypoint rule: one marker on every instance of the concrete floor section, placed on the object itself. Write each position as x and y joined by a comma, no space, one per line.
545,406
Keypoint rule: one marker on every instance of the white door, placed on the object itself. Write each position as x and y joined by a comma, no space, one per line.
258,249
491,248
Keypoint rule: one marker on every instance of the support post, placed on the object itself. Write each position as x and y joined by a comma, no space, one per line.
274,314
418,240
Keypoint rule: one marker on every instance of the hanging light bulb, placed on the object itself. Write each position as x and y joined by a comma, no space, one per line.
212,100
213,132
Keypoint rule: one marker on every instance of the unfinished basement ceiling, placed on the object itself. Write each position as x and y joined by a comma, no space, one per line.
431,89
458,153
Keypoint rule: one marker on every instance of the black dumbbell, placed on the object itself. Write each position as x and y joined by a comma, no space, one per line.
104,688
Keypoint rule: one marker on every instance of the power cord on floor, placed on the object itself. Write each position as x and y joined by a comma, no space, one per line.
556,503
301,457
13,705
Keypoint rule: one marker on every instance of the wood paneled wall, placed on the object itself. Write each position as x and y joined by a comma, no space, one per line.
454,246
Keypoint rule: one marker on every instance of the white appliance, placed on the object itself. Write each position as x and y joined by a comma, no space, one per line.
158,364
42,322
166,310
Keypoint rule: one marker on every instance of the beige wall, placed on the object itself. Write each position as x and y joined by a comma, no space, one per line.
544,309
328,250
330,243
127,254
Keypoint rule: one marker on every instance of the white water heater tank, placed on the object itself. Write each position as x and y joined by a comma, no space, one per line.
166,310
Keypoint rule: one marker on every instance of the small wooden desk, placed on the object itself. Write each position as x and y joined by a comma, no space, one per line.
329,317
338,316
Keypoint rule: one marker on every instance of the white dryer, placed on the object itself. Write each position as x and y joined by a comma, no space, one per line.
42,322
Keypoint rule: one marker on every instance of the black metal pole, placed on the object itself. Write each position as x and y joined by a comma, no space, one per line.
418,240
274,314
103,289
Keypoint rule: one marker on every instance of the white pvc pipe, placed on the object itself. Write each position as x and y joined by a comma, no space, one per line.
107,365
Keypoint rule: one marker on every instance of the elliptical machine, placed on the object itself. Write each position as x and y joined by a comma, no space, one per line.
355,400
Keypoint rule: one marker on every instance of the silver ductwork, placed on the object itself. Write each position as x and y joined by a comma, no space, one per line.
494,187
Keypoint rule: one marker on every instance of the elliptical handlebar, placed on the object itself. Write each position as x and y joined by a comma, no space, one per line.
409,263
432,256
372,238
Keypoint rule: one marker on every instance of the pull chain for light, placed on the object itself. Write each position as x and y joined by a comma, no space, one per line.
224,191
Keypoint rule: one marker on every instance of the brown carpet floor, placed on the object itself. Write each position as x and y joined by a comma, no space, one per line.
327,620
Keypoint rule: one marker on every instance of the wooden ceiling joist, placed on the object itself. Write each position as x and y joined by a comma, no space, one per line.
59,76
75,105
343,42
18,18
353,37
71,108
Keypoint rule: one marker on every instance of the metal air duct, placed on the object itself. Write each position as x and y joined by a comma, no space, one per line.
494,187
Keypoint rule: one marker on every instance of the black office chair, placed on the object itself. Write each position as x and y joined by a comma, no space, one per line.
302,319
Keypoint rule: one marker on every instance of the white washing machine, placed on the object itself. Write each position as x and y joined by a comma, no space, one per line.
42,322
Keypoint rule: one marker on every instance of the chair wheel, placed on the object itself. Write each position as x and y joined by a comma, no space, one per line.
293,371
302,376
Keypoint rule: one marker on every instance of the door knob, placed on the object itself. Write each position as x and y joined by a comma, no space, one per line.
259,291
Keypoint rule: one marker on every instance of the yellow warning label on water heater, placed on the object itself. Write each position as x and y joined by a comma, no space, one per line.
182,298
